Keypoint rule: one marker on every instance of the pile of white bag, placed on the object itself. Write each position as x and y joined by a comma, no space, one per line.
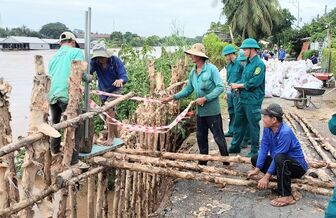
282,77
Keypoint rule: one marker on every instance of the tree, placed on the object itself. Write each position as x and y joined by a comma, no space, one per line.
117,38
23,31
4,32
252,18
79,33
153,40
53,30
283,27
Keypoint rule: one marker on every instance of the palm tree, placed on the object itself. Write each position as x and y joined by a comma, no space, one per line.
252,18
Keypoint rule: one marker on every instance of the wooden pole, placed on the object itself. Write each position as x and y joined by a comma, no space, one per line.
35,155
72,201
199,176
100,195
318,149
39,135
185,157
7,162
91,195
201,169
106,192
321,173
47,192
75,91
197,157
326,145
116,194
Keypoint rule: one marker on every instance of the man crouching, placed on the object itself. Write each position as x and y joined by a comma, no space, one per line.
280,154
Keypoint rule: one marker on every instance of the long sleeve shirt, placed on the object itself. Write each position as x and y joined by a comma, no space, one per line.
208,84
253,78
115,70
283,141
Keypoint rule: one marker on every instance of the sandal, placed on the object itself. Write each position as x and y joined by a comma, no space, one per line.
281,203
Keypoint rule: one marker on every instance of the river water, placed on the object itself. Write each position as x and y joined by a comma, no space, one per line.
17,67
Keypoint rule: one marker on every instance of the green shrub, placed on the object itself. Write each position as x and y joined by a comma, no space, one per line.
214,46
325,54
307,54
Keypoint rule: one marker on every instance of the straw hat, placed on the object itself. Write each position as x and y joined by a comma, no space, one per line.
197,49
100,50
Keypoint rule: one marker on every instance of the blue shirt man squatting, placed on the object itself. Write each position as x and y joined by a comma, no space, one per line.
286,159
205,81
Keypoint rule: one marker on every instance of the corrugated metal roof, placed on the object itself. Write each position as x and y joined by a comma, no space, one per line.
23,39
1,39
51,41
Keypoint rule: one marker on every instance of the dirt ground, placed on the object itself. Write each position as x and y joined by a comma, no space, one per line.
197,199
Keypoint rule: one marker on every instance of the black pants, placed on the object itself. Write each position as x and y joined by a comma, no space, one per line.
286,169
55,143
214,123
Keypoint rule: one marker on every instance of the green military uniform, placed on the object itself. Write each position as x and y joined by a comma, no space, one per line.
234,71
248,109
331,209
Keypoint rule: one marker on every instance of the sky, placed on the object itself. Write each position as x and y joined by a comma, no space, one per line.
144,17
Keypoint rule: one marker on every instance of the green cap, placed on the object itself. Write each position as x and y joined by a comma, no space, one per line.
250,43
241,56
229,49
332,124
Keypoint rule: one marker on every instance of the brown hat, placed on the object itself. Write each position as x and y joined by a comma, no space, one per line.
197,49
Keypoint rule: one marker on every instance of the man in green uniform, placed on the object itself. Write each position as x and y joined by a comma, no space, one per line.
331,209
251,92
234,70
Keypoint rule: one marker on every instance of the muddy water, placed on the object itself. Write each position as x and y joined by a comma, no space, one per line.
81,200
18,69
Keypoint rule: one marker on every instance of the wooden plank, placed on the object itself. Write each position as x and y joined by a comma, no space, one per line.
101,149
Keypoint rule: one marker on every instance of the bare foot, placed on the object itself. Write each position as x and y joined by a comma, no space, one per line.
108,142
283,201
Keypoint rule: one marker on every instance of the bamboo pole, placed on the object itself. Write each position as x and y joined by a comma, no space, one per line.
199,176
91,195
70,122
5,138
35,155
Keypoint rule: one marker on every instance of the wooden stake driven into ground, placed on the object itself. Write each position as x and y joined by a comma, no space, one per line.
35,156
7,169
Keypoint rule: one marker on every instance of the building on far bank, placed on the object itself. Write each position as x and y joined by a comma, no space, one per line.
1,39
53,43
23,43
